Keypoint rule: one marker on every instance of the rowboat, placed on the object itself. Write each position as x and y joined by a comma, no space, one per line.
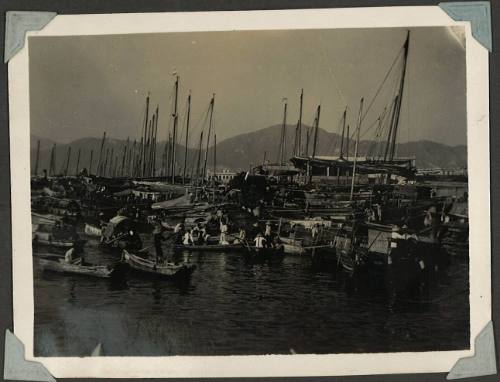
168,270
75,267
209,247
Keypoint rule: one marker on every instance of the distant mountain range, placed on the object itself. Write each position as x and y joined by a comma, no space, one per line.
250,149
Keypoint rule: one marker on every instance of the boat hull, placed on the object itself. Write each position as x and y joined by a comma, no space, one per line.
75,268
148,267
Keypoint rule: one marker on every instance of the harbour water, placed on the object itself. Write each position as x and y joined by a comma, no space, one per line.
233,307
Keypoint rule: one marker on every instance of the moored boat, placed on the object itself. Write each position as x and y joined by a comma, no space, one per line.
209,247
75,267
168,270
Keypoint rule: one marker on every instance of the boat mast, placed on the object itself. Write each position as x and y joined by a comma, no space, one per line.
142,163
151,145
299,137
187,136
400,97
37,157
282,149
347,143
155,139
174,133
124,158
215,163
212,102
78,161
391,127
52,165
308,134
358,128
316,128
199,157
343,131
99,161
90,162
67,161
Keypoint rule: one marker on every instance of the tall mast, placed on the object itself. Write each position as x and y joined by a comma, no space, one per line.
111,157
358,128
343,131
67,161
391,127
215,161
155,139
174,134
212,102
37,157
400,93
99,161
52,165
187,136
199,156
308,134
299,126
124,158
91,160
131,161
105,165
78,161
169,154
347,143
151,144
143,141
316,128
281,158
147,143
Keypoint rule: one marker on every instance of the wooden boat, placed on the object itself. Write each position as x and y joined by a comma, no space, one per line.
75,267
209,247
53,243
168,270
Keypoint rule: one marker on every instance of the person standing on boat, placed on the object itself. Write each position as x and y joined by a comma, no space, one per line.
187,240
242,236
68,256
157,239
223,233
268,233
259,241
315,231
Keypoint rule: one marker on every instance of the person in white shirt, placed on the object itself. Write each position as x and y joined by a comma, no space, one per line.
260,241
223,233
187,239
68,256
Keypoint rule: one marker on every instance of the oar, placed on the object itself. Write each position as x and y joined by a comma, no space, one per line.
116,238
145,248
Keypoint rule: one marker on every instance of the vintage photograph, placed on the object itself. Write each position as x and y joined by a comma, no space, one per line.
250,192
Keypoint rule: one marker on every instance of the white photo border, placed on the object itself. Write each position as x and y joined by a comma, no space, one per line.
264,365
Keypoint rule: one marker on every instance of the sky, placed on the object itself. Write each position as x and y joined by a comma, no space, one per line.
81,86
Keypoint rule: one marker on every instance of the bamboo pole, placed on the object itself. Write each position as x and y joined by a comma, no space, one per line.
356,148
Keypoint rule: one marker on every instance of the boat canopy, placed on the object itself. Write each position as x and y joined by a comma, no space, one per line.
183,201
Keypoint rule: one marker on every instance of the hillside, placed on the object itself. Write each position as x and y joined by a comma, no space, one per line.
239,152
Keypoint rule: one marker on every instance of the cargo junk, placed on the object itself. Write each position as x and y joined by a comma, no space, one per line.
371,214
